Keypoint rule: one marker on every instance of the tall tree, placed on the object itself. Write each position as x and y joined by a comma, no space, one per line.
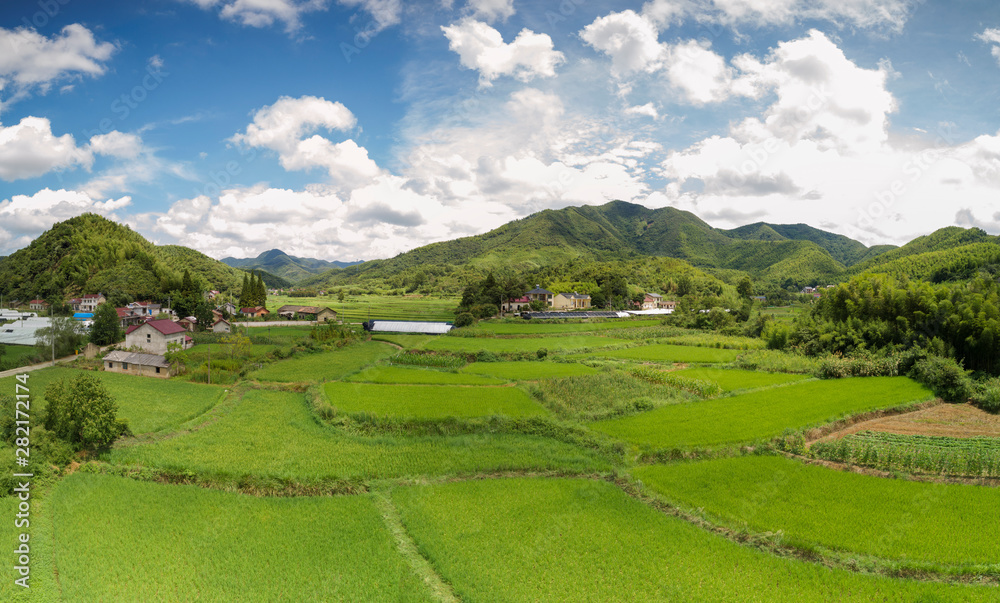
245,291
106,328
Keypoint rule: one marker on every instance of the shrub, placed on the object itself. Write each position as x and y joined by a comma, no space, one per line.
83,413
986,395
945,377
464,319
542,353
484,310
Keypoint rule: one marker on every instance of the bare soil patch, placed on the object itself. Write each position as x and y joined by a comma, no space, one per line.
950,420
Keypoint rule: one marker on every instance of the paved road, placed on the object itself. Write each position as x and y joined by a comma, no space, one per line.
34,367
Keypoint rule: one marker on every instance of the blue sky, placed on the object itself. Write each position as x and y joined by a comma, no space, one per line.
357,129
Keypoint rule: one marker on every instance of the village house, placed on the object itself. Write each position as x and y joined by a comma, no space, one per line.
571,301
299,312
129,316
132,363
154,336
221,326
651,301
87,303
229,308
326,315
38,304
254,312
539,294
189,323
515,305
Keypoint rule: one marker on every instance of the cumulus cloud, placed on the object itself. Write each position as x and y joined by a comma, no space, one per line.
23,218
491,10
30,149
285,128
117,144
30,60
264,13
630,39
384,12
992,37
881,16
482,48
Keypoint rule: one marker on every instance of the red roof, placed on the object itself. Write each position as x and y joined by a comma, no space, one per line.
165,326
521,300
123,312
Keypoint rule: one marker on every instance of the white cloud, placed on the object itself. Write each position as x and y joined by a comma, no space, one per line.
482,48
649,110
264,13
30,60
385,13
491,10
284,126
629,39
700,74
117,144
30,149
990,36
888,16
23,218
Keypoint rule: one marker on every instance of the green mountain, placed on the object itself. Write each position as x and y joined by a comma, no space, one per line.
948,253
623,231
89,254
288,267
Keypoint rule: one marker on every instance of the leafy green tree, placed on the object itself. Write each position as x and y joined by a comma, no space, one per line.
745,288
82,413
464,319
203,312
63,330
106,328
244,300
340,296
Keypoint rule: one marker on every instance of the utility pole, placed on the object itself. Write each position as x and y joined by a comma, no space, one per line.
209,363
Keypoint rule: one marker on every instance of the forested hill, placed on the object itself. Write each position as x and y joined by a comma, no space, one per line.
950,253
622,231
90,254
287,267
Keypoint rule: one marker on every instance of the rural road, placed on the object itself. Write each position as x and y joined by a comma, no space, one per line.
34,367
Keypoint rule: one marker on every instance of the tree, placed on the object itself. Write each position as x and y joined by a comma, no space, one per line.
203,312
187,285
340,296
106,328
245,291
745,288
64,331
82,413
240,345
174,355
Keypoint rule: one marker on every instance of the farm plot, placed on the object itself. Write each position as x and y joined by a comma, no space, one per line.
734,379
119,539
148,404
273,434
976,456
324,366
407,342
431,401
665,352
762,414
547,328
519,344
579,540
528,371
891,519
419,376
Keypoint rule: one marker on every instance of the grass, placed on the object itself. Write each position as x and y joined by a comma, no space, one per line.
975,456
528,371
358,308
407,342
580,540
324,366
762,414
528,327
519,344
273,434
17,355
431,401
733,379
776,361
714,340
120,539
890,519
419,376
149,404
604,395
665,352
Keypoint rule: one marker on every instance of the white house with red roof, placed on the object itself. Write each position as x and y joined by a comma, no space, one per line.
515,304
154,336
38,304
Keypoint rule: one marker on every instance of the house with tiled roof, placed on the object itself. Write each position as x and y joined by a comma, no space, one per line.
515,304
133,363
254,312
221,326
87,303
128,317
539,294
300,312
571,301
38,304
154,336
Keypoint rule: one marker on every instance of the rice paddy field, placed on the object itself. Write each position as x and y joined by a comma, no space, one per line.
324,366
734,379
665,352
520,344
431,401
358,308
890,519
374,473
762,414
582,540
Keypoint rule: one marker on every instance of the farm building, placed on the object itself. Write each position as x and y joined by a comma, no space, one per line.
188,323
22,330
407,326
326,315
221,326
147,365
302,312
515,305
154,336
254,312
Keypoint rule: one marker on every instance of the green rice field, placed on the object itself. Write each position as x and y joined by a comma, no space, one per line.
541,327
274,434
419,376
407,342
123,540
579,540
734,379
891,519
527,371
324,366
358,308
974,456
519,344
665,352
762,414
148,404
431,401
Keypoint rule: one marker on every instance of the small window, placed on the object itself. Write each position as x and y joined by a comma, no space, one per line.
125,365
157,370
111,365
